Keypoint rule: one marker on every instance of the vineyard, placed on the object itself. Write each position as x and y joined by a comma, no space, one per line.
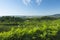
44,28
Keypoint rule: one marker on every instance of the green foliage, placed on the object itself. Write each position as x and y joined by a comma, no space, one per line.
30,29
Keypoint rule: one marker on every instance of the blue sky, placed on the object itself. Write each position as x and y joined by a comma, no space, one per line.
29,8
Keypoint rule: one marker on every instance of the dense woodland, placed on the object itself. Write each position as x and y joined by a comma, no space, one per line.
34,28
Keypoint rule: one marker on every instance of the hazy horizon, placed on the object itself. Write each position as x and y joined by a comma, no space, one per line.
29,7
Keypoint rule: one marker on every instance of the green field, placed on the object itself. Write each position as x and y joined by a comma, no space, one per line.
16,28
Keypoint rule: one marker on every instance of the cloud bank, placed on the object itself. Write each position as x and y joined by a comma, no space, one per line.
27,2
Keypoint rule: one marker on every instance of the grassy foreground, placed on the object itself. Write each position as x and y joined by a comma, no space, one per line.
31,30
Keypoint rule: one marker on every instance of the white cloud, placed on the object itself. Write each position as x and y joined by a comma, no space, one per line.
38,2
27,2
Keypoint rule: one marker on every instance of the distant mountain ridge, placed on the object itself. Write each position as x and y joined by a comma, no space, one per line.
55,15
